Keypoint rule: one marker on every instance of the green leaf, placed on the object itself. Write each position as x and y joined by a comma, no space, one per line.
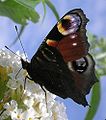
52,7
8,118
95,100
20,11
98,50
4,93
44,7
28,3
3,80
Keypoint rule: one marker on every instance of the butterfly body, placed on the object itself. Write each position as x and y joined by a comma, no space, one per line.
62,63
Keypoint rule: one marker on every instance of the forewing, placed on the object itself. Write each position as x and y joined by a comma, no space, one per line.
69,35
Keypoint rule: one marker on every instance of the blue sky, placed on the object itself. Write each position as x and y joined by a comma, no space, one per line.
35,33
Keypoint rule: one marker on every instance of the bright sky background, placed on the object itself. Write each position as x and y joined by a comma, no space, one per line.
35,33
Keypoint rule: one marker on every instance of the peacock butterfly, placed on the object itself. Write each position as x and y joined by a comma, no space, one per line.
62,63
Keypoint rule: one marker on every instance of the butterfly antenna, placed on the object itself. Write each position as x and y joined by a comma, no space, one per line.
16,55
20,42
12,51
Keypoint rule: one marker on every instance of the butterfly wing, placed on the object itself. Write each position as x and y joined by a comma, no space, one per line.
69,35
57,64
50,70
73,80
83,72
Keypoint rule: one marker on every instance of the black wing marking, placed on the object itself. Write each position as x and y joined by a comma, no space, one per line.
84,75
52,72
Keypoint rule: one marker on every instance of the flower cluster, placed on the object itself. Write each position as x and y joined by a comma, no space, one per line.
29,102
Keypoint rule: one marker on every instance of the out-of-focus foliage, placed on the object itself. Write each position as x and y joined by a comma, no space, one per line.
51,6
98,50
22,11
4,71
28,3
3,80
94,103
19,10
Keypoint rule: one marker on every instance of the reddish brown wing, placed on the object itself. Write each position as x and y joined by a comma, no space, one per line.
73,50
69,35
74,45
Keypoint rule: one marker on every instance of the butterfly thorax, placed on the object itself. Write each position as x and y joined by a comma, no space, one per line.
25,64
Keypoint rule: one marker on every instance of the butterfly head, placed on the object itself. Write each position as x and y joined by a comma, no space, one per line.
25,64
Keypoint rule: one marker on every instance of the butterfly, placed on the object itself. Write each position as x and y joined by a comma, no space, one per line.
62,63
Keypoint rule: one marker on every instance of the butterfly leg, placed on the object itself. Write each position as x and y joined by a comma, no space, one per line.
17,73
2,111
26,77
45,97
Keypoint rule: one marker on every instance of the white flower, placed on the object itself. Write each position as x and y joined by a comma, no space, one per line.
60,115
30,104
14,83
29,114
11,106
17,114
